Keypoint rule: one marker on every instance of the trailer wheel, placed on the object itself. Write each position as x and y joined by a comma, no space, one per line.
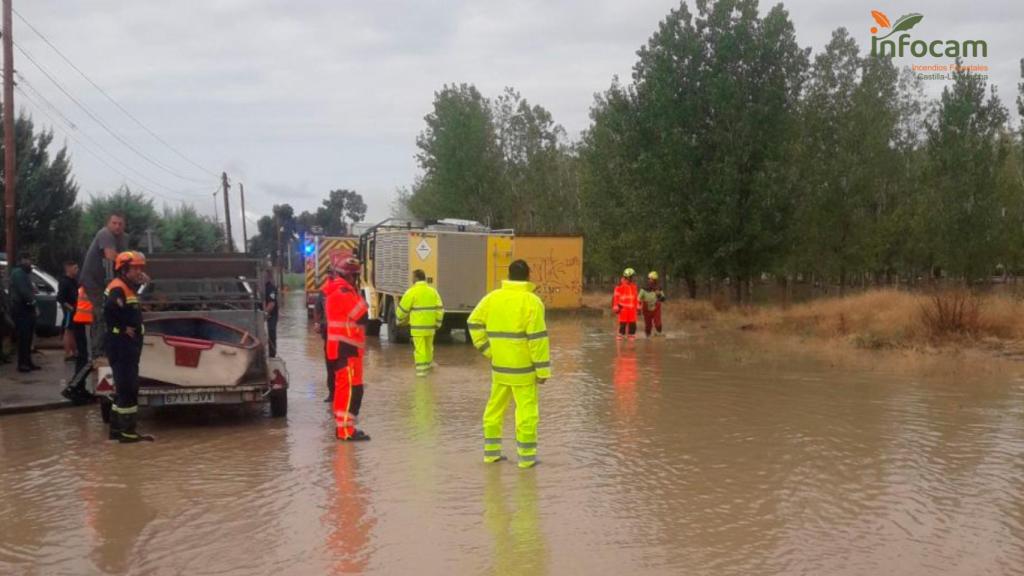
279,403
106,407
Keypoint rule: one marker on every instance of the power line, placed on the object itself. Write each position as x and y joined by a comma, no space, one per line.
98,120
111,98
85,135
79,144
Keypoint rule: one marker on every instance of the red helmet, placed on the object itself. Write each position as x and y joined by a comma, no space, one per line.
351,266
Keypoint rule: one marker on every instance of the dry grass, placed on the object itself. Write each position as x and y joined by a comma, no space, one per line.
878,319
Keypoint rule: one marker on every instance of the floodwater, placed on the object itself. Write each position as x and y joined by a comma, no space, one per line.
690,454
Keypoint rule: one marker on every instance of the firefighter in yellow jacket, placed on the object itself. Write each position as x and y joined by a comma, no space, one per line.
422,309
508,327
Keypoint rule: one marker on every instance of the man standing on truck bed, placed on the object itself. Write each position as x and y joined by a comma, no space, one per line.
346,315
270,309
123,343
422,309
106,245
508,327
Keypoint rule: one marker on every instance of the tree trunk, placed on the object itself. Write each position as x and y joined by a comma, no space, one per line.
691,286
738,289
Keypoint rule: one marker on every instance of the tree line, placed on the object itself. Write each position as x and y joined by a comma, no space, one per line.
55,224
732,152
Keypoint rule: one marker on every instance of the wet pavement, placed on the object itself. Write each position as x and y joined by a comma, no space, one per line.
691,454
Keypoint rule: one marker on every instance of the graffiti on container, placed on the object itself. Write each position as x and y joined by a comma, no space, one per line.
555,275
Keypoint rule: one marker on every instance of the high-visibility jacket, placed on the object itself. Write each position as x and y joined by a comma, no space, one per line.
83,309
344,308
422,308
625,301
651,296
508,327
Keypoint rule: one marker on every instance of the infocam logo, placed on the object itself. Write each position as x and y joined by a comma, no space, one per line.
902,43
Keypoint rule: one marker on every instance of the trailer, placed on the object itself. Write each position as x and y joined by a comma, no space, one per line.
205,340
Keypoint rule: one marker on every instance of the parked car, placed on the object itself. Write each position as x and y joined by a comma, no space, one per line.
50,314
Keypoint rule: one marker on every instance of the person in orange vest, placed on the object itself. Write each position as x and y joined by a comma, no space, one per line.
626,304
79,327
346,339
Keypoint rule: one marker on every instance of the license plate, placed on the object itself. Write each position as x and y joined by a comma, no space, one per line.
189,398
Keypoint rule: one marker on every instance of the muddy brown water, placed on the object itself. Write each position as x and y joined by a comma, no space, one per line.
691,454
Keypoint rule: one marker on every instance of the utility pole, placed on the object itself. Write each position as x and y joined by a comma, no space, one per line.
10,149
245,233
216,210
228,245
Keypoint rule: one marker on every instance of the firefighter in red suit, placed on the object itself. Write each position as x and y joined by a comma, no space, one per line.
346,339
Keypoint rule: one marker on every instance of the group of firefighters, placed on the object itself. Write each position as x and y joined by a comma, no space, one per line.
508,327
627,301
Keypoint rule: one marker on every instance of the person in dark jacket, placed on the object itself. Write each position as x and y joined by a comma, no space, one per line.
67,299
270,309
24,311
123,343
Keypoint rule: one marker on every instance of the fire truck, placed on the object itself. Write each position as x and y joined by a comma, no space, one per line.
320,253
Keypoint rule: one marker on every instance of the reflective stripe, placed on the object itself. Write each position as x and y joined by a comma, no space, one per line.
506,334
526,445
484,347
403,309
502,370
425,308
537,335
540,365
492,441
430,327
423,363
475,326
527,457
342,325
128,410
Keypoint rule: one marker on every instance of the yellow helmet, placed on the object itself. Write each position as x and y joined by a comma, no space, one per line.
129,258
628,272
652,276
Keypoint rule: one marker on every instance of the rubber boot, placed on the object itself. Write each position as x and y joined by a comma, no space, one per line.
115,426
358,436
128,433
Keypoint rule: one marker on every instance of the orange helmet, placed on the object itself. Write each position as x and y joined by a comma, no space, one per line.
129,258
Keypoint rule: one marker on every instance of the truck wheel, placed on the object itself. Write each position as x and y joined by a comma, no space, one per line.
106,407
278,403
396,335
373,328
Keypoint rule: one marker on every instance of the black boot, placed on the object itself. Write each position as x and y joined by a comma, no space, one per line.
128,433
115,426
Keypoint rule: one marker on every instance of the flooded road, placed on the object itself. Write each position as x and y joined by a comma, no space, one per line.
682,455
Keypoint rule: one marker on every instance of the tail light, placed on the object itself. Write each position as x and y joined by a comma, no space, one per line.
278,382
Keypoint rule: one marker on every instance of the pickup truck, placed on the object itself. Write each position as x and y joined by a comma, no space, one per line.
205,337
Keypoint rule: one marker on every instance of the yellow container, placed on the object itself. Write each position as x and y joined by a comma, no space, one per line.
556,267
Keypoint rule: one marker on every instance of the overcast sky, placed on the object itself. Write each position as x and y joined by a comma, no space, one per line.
296,97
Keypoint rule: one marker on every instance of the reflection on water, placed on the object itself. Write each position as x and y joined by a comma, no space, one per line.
695,453
511,516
